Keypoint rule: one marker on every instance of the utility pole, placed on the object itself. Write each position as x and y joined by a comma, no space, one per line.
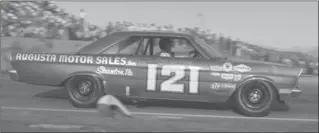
201,18
82,16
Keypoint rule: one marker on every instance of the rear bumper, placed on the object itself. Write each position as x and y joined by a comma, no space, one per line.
286,94
13,75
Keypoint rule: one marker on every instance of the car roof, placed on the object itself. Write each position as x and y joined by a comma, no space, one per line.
115,36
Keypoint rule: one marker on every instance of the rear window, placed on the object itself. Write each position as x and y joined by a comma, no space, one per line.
125,47
101,44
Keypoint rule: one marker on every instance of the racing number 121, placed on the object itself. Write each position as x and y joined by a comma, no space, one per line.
170,84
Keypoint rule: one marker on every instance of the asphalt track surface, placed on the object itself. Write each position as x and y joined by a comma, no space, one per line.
42,109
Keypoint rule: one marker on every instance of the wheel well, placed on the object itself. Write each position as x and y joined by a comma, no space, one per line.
64,81
265,81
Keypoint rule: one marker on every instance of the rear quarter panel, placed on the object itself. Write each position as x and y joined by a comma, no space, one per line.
48,73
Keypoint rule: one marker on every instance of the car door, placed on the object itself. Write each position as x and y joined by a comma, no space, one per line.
171,78
175,78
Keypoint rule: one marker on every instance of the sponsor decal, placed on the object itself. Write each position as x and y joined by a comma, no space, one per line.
215,74
237,77
215,86
77,59
227,67
114,71
131,63
242,68
227,76
216,68
111,60
228,86
36,57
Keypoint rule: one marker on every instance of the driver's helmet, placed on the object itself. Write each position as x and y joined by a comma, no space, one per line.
165,44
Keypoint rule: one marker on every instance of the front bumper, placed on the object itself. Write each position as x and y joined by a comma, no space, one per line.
290,93
296,92
13,75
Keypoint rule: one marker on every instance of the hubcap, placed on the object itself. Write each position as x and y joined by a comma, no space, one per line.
85,88
255,96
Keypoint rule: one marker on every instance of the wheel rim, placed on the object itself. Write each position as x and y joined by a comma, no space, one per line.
83,90
255,97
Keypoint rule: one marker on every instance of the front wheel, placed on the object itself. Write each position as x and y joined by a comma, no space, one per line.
254,99
84,91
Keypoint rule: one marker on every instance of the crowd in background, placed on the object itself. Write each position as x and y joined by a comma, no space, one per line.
46,20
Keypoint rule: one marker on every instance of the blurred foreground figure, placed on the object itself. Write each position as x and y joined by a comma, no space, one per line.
108,105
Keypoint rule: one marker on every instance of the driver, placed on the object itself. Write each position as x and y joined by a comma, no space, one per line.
165,45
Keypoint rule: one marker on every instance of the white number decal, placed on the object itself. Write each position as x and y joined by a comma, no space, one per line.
194,77
151,77
170,85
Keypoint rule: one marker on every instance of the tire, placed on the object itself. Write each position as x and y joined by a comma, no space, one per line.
88,95
251,105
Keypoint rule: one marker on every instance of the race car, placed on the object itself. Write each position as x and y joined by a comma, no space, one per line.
153,65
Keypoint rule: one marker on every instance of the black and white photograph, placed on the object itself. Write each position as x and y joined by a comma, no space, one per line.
159,66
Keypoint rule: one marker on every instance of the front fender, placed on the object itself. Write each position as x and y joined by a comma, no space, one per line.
270,82
257,78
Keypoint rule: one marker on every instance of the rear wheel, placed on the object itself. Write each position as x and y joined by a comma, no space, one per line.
84,91
254,99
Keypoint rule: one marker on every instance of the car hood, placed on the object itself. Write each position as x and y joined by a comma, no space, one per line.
268,67
237,60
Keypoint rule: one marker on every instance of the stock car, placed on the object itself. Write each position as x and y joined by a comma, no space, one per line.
126,64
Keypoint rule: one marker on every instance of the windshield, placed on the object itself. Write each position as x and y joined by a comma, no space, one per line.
209,49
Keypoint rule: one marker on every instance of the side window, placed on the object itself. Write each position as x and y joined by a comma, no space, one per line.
150,46
130,46
125,47
180,48
156,48
112,50
144,48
